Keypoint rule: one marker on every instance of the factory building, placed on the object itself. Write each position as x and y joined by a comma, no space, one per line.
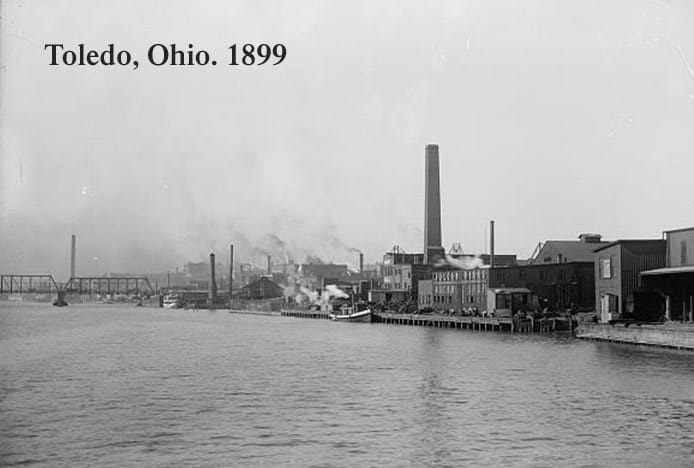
400,282
675,282
454,290
261,288
397,256
617,267
315,276
557,286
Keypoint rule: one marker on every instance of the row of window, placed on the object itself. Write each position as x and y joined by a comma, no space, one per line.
447,299
396,271
458,275
470,288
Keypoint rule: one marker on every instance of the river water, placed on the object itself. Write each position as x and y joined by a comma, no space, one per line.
123,386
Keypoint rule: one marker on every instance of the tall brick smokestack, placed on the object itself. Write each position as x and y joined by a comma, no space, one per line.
433,248
361,262
491,243
73,249
231,269
269,265
212,292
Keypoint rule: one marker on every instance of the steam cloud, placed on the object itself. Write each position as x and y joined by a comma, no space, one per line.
464,263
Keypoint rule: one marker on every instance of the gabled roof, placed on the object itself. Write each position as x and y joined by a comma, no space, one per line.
576,251
680,229
629,241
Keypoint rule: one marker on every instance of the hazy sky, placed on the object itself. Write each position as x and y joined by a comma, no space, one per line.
552,117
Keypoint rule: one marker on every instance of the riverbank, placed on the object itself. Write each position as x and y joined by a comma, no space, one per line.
667,335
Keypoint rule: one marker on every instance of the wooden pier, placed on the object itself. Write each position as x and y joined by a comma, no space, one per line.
525,325
312,314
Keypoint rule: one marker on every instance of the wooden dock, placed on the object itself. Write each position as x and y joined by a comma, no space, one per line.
525,325
312,314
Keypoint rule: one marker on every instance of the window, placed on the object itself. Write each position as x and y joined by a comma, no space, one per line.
562,275
606,268
521,273
683,252
543,274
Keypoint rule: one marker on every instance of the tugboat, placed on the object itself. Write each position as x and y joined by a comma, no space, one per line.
351,314
172,301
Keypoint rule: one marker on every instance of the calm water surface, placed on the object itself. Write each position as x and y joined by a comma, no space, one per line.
118,386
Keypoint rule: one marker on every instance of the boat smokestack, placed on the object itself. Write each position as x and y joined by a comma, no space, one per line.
212,293
361,262
491,243
269,265
73,249
231,269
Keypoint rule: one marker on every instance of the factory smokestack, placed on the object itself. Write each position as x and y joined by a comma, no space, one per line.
433,248
212,293
491,243
361,262
73,249
269,265
231,269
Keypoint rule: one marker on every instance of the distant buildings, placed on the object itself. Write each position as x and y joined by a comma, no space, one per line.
315,276
261,288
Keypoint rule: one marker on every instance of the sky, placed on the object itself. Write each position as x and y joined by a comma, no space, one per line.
552,118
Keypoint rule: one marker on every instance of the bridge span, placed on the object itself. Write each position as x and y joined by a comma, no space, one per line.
76,285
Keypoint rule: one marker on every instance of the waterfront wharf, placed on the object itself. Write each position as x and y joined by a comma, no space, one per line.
312,314
254,312
671,335
516,325
497,324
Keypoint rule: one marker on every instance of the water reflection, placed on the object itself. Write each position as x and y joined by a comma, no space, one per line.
118,386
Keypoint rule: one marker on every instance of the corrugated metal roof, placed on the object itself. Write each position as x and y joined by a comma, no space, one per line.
630,242
669,271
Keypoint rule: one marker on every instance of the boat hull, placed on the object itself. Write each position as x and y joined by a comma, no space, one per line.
364,317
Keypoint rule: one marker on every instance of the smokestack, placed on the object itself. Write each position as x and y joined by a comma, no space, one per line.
213,281
433,249
361,262
73,249
491,243
269,265
231,269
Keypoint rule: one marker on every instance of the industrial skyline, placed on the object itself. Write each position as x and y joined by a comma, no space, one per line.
551,122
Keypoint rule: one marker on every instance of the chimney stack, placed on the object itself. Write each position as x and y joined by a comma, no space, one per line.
212,293
433,249
361,262
269,265
231,269
73,249
491,243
